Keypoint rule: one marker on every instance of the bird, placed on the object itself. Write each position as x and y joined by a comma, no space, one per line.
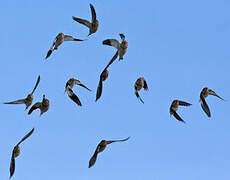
93,25
28,100
60,38
16,153
104,75
68,88
101,147
72,81
204,93
43,106
139,84
121,47
174,108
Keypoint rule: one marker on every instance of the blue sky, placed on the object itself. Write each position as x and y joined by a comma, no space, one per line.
179,47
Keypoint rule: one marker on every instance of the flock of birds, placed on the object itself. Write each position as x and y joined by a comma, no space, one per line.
139,84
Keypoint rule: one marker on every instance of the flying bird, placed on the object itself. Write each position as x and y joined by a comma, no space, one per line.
16,153
60,38
101,147
204,93
174,108
93,25
103,77
68,88
29,99
43,106
139,84
121,47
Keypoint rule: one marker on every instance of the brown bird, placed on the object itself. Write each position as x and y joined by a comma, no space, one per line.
103,77
43,106
121,47
68,87
60,38
93,25
174,107
139,84
204,93
16,152
101,147
29,99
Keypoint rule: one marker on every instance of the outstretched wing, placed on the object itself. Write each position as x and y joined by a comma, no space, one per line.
112,60
205,107
82,85
93,159
36,85
82,21
12,166
71,38
93,12
177,116
112,42
26,136
73,96
145,85
138,96
183,103
52,48
20,101
49,53
121,140
211,92
99,89
35,106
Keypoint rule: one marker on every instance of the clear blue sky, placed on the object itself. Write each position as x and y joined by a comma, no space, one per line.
178,46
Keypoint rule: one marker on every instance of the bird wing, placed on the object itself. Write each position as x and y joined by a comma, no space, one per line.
93,159
145,85
93,12
73,96
52,47
112,42
49,53
71,38
82,21
211,92
36,85
99,89
35,106
183,103
12,166
112,60
177,116
204,106
121,140
82,85
26,136
138,96
20,101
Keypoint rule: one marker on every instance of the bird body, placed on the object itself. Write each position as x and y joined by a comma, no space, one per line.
174,107
139,84
104,75
60,38
93,25
28,100
121,47
204,94
101,147
68,87
43,106
16,152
